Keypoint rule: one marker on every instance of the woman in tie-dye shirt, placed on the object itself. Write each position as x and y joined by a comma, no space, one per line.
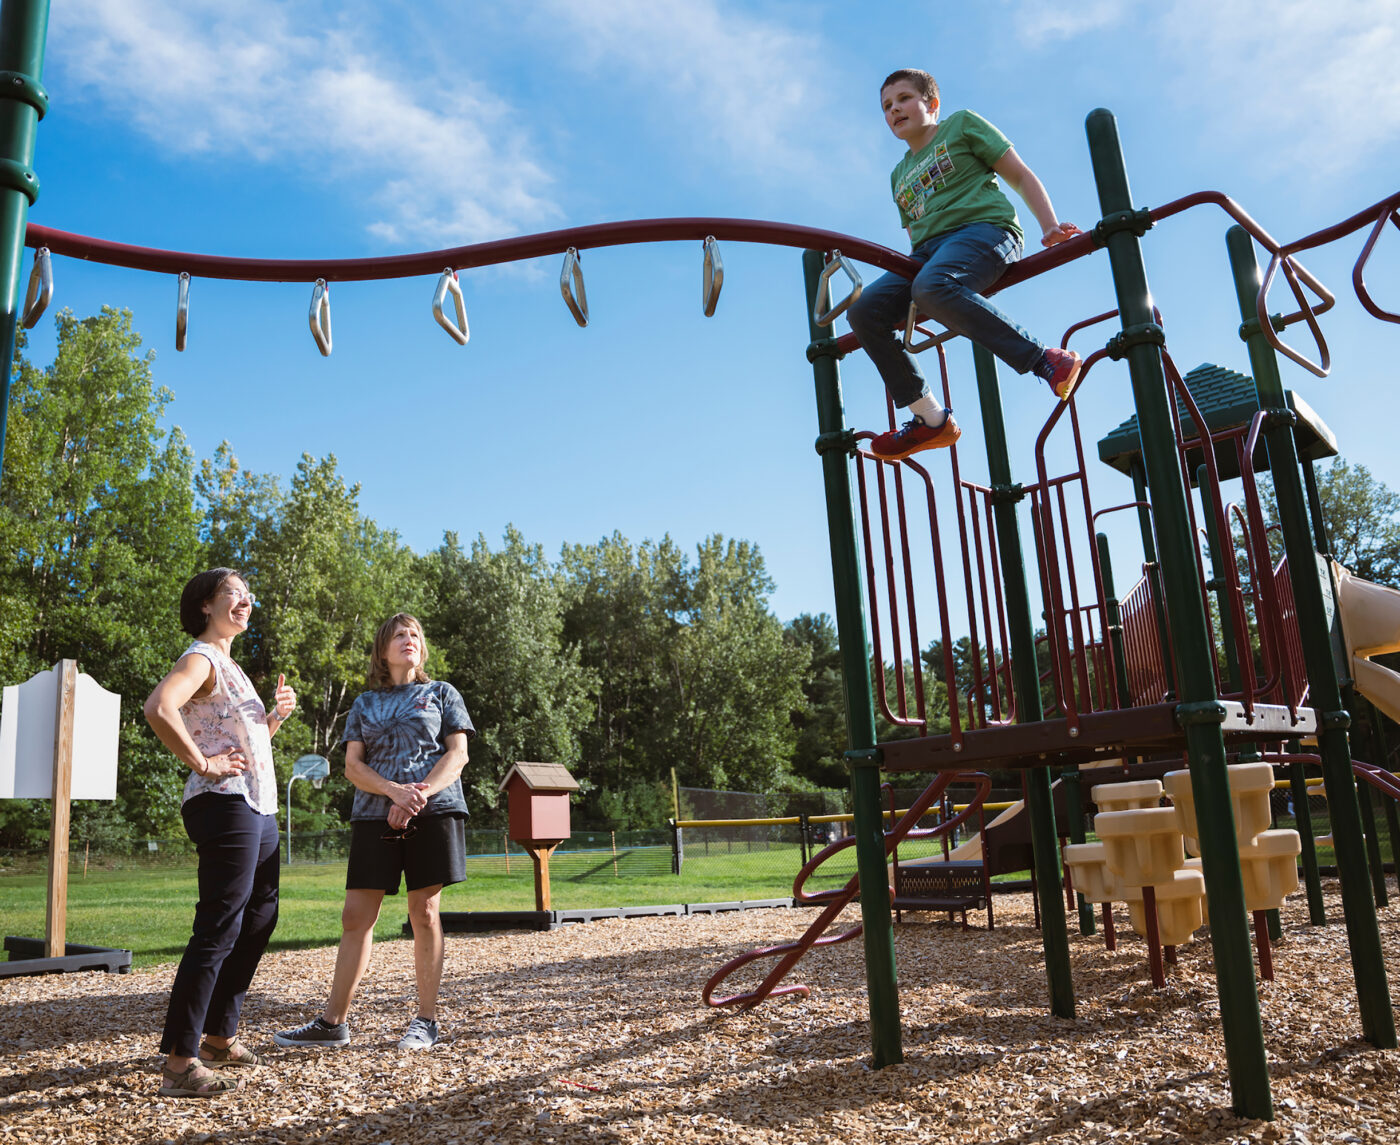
207,712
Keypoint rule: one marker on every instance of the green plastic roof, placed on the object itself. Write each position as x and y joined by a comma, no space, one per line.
1226,400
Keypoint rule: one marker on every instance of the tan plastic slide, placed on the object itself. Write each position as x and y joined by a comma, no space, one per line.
1371,627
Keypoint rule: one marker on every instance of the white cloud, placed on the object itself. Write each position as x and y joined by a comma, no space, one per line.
722,79
1038,22
267,80
1314,86
1308,88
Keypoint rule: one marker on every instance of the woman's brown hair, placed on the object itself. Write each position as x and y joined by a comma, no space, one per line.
378,676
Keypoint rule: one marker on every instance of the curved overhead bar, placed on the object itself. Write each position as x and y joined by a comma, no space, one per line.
463,257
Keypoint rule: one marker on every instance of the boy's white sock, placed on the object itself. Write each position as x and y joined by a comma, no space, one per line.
929,409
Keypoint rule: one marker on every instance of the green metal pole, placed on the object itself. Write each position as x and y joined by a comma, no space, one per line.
1324,691
1219,554
1200,712
1074,797
1302,822
835,445
1375,864
23,28
1025,686
1115,625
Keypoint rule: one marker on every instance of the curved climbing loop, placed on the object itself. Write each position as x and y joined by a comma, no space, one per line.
835,900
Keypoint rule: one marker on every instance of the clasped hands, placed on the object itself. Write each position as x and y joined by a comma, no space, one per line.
407,800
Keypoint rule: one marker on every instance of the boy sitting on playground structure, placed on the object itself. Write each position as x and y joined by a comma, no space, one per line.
965,233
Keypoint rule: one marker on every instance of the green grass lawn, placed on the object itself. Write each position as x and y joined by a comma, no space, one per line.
149,911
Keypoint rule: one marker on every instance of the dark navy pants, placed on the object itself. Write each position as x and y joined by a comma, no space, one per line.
237,910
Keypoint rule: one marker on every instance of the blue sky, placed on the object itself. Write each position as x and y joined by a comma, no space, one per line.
353,129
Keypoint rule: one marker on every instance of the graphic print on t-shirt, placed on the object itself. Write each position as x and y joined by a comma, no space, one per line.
924,181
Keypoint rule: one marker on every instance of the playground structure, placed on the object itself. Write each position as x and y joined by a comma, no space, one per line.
1138,678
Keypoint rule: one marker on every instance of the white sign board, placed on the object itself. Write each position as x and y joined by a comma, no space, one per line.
28,717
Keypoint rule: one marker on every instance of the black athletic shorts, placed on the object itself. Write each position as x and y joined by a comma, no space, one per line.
435,851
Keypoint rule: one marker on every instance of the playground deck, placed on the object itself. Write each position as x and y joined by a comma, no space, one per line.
595,1034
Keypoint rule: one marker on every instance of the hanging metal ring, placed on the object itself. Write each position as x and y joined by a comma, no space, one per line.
320,316
36,301
838,261
459,331
182,311
571,287
714,275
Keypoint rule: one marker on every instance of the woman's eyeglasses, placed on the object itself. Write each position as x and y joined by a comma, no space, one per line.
240,595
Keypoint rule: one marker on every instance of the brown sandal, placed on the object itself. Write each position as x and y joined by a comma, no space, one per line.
234,1054
195,1080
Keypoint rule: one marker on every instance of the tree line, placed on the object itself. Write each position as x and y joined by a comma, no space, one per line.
621,660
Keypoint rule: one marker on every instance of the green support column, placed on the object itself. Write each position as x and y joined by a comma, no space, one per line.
1220,583
1123,689
1358,907
23,27
1200,712
1302,822
835,444
1073,784
1025,686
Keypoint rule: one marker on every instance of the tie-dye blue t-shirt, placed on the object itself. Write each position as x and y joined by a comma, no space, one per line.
404,730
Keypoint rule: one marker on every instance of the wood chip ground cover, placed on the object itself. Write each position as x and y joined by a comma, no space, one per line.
596,1033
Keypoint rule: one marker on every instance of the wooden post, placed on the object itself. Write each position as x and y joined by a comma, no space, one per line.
539,855
56,927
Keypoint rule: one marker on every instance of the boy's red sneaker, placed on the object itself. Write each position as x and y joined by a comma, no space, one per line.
1064,371
914,435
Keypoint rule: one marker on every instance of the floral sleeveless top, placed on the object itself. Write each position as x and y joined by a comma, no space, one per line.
231,716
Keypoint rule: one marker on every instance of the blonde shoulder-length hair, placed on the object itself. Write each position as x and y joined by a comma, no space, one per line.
378,676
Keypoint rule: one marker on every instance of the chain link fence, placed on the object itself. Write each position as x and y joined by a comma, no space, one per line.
586,855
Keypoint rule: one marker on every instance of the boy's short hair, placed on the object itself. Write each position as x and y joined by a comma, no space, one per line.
923,83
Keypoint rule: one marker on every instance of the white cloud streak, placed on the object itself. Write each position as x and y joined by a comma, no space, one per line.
261,79
1311,88
722,80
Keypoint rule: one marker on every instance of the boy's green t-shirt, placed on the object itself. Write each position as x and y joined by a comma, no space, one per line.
950,182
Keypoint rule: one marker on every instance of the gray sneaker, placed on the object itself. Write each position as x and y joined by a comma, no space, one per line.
315,1034
422,1035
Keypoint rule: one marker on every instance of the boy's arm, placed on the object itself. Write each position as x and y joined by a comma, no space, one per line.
1021,179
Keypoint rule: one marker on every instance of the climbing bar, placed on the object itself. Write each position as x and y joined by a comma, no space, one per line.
823,313
182,310
320,316
478,254
458,331
1270,331
571,287
36,301
713,276
1387,213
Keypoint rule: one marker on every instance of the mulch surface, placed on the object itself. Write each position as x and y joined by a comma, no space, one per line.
596,1033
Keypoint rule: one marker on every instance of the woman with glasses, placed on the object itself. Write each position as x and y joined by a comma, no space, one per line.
405,747
207,712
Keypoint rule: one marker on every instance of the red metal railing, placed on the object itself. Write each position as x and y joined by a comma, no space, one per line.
834,901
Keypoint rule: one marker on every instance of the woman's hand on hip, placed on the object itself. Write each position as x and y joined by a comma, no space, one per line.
226,763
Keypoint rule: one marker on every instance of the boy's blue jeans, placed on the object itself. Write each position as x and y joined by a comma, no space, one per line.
958,266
